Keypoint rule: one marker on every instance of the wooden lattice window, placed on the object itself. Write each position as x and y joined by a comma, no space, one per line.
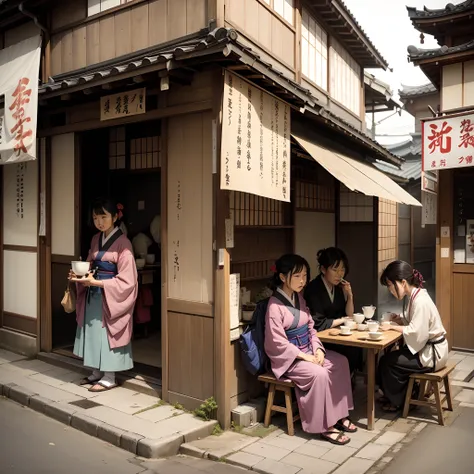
388,218
117,148
250,210
145,153
315,197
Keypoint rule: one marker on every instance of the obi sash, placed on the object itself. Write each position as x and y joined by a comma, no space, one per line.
300,337
435,349
104,270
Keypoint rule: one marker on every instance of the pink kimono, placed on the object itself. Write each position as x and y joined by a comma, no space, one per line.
323,393
120,293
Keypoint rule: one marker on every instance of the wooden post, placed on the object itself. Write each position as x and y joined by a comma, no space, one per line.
298,62
222,346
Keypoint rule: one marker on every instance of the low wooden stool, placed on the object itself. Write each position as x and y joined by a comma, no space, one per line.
284,386
435,378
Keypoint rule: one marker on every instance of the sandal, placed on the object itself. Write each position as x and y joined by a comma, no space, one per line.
88,381
337,439
342,427
101,387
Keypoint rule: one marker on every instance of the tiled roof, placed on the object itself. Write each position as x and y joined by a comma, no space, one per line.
416,54
415,91
449,9
410,150
224,43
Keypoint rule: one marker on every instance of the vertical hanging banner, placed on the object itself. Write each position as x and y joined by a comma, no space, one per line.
255,152
19,74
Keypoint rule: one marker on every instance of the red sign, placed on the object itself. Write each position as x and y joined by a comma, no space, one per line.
448,142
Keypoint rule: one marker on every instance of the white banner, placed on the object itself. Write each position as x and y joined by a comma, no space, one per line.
255,153
19,74
448,142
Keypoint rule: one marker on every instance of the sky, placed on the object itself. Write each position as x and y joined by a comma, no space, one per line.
387,24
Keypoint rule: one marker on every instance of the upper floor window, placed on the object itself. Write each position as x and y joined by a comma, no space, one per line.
285,8
314,51
98,6
345,74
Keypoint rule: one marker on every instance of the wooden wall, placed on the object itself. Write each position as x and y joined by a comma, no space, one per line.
265,28
189,275
80,41
457,85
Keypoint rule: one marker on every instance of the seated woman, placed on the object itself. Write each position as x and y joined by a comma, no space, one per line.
330,299
323,388
426,348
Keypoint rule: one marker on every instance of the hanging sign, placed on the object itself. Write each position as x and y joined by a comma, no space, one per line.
19,75
255,153
448,142
122,105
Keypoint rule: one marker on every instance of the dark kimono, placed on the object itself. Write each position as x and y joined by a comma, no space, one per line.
324,312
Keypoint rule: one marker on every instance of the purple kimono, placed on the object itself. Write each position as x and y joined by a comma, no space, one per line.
323,393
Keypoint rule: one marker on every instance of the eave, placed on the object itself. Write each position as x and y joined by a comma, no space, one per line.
336,14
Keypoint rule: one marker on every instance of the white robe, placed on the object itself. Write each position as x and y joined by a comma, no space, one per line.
423,324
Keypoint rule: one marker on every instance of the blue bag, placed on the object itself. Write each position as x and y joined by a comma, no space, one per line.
252,341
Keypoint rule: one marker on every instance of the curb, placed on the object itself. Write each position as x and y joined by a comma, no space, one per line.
76,418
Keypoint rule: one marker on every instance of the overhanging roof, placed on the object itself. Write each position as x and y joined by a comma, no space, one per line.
378,95
356,175
431,60
336,14
449,10
221,47
410,92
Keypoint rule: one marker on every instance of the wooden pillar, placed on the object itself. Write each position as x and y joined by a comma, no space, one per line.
222,346
444,264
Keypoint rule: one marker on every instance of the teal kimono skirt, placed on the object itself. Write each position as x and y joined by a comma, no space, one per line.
91,342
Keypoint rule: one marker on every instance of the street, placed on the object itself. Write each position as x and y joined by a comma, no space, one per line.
439,449
31,442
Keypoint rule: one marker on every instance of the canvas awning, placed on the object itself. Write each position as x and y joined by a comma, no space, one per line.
356,175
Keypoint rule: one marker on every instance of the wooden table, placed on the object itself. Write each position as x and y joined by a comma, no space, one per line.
373,348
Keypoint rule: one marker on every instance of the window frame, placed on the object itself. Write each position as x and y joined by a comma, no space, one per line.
271,5
121,3
325,76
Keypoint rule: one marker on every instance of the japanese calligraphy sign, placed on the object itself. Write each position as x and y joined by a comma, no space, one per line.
448,142
255,154
123,104
19,74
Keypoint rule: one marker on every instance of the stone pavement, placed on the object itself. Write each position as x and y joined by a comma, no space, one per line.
136,422
368,452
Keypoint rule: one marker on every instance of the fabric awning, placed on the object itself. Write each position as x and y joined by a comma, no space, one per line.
356,175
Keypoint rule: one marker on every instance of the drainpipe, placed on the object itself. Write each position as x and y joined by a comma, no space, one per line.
47,42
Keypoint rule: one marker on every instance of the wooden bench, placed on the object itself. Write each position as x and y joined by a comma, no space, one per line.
435,379
284,386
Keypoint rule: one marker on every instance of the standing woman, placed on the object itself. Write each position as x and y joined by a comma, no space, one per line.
323,387
105,300
426,348
330,299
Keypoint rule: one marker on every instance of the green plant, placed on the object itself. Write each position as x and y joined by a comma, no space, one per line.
207,409
178,406
217,431
236,428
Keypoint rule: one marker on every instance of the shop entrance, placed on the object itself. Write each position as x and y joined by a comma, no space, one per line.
125,163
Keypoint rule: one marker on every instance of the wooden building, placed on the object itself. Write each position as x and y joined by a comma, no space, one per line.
416,238
448,147
178,58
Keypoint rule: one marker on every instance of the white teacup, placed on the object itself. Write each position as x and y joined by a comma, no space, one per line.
373,326
359,318
350,324
375,336
80,268
345,330
385,324
362,327
386,317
